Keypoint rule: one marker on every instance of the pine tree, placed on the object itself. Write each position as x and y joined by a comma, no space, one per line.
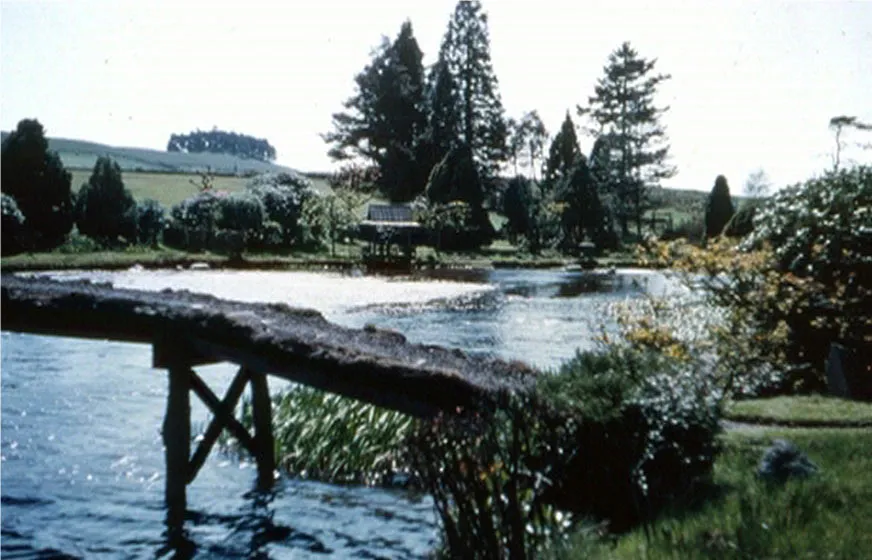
386,118
562,154
465,101
623,108
35,177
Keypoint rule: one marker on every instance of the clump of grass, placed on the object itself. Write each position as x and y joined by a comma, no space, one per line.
802,410
337,439
826,516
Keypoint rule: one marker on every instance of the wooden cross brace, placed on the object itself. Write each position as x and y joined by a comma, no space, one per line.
182,468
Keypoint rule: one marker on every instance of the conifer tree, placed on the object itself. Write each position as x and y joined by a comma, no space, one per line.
466,108
35,177
386,118
622,107
562,154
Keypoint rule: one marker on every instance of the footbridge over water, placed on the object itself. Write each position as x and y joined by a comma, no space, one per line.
187,330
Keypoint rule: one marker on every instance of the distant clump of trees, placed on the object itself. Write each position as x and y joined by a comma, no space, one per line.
222,142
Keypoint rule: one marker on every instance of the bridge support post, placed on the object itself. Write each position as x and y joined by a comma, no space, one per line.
177,443
263,435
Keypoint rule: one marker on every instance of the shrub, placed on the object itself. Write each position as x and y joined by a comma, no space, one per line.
614,435
200,211
820,233
243,213
283,196
105,209
742,222
150,222
800,281
13,230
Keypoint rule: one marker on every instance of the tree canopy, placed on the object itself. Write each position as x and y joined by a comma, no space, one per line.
386,117
623,108
563,153
222,142
465,104
37,180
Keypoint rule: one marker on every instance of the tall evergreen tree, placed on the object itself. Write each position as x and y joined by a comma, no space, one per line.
35,177
386,118
465,102
562,154
582,212
718,208
623,107
105,209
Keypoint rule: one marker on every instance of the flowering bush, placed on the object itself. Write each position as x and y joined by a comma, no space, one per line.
801,280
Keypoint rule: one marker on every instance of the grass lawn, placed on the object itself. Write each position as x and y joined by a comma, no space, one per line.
171,188
802,410
826,516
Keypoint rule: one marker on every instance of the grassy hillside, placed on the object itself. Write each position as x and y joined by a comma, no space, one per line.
80,154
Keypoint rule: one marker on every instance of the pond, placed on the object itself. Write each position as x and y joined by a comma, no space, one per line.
82,455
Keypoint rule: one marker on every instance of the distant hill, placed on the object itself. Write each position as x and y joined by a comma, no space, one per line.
80,154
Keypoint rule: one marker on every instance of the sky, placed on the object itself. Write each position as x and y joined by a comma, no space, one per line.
754,83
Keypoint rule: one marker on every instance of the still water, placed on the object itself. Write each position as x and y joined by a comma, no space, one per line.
82,457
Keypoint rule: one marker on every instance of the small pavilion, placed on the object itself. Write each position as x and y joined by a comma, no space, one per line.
393,235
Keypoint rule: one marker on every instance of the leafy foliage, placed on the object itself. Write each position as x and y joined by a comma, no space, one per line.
283,196
150,221
333,216
820,233
37,180
622,108
222,142
718,208
612,435
456,179
13,232
242,212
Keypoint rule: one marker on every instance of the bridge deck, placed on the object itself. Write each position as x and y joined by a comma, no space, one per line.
372,365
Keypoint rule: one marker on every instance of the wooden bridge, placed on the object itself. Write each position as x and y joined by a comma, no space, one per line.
187,330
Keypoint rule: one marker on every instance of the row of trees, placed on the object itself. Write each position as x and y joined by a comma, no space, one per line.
40,209
406,119
222,142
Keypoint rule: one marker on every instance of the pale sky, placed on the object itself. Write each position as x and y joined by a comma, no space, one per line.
754,83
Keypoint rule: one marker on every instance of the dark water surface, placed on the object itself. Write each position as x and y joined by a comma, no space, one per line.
82,456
